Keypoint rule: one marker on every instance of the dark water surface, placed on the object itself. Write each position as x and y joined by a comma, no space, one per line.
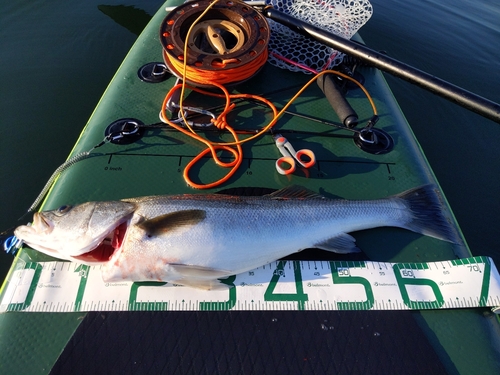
56,59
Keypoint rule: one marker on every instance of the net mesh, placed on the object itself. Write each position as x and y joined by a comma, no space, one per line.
341,17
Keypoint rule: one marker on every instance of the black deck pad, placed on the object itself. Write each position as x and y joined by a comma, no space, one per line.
249,342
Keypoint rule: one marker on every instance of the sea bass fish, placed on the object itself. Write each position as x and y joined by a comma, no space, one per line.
196,239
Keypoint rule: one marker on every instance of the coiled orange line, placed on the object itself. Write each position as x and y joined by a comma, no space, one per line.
217,79
222,76
221,123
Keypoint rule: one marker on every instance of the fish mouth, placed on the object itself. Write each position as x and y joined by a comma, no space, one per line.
42,224
32,233
106,248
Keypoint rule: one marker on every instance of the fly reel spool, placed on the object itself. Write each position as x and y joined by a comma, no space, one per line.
227,45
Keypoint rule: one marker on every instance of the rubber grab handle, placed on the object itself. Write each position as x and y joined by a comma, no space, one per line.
340,105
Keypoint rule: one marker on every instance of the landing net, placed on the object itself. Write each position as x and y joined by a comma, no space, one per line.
341,17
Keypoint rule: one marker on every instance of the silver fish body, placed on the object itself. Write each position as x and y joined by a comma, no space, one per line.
196,239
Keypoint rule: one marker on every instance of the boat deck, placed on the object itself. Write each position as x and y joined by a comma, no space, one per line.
403,342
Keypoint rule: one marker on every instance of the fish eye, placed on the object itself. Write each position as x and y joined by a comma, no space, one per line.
63,209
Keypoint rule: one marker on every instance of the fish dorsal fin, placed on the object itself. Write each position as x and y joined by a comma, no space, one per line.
295,191
171,221
343,244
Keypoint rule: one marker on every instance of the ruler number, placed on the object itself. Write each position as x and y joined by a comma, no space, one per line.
405,277
83,272
342,275
407,273
343,272
299,296
474,268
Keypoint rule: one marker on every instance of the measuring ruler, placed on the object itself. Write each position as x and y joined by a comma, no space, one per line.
282,285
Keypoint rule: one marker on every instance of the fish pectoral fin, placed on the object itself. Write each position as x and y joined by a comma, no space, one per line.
171,221
198,272
200,277
343,243
203,284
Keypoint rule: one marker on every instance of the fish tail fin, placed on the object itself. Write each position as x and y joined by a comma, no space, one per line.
426,216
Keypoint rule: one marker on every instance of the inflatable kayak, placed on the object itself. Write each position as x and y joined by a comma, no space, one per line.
240,111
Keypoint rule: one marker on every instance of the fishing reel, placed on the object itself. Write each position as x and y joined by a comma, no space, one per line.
229,41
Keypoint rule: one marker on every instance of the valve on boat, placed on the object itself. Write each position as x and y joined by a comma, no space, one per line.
153,72
124,131
373,140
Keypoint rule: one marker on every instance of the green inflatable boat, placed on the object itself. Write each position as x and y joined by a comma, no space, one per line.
244,100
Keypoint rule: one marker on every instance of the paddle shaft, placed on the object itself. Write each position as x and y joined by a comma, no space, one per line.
449,91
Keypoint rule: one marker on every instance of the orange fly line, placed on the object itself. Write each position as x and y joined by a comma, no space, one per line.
218,79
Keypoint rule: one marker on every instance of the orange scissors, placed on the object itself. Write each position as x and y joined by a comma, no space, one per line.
290,156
